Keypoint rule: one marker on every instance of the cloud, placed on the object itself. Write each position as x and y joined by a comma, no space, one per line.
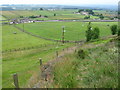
59,1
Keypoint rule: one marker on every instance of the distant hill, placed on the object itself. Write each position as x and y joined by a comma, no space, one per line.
54,6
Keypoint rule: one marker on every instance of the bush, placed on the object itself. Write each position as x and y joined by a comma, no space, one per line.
21,17
46,16
89,33
96,33
113,29
32,16
118,31
81,54
101,16
87,17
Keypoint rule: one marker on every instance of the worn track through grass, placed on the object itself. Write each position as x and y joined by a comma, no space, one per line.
46,69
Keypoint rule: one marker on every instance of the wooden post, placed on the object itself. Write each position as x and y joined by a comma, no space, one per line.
56,53
15,78
63,31
75,50
40,61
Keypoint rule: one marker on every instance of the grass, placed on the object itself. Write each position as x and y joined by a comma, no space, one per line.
25,62
74,30
98,70
60,14
2,18
18,40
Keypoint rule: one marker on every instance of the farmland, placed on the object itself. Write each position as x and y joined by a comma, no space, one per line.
74,29
28,58
21,51
60,14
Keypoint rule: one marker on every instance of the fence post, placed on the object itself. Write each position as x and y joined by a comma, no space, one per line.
75,50
57,53
40,59
15,78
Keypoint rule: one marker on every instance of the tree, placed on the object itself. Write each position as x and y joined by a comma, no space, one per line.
89,33
80,10
113,29
96,33
92,34
46,16
118,31
54,14
40,15
41,8
87,17
89,11
21,17
101,16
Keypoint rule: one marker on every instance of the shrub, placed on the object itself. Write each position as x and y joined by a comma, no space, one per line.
89,33
21,17
96,33
87,17
81,54
101,16
32,16
118,31
46,16
113,29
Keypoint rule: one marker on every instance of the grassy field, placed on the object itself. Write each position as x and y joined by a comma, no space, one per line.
2,18
98,69
18,40
24,62
60,14
74,30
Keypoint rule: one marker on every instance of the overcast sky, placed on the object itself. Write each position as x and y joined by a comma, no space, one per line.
68,2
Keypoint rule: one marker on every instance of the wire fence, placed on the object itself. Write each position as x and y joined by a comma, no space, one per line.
28,48
65,41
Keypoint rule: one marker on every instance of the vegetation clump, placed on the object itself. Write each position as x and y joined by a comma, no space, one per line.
118,31
113,29
92,34
81,54
87,17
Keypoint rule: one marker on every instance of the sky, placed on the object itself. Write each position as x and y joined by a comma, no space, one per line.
64,2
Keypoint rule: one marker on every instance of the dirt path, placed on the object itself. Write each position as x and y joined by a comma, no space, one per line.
47,69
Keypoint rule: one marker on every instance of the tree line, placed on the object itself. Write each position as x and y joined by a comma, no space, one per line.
94,33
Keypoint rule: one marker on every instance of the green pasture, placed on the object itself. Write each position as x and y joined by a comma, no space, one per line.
2,18
18,40
60,14
25,62
73,30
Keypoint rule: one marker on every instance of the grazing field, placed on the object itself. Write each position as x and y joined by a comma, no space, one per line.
32,46
19,40
74,30
2,18
60,14
24,62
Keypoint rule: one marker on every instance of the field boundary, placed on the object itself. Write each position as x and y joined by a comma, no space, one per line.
65,41
28,48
